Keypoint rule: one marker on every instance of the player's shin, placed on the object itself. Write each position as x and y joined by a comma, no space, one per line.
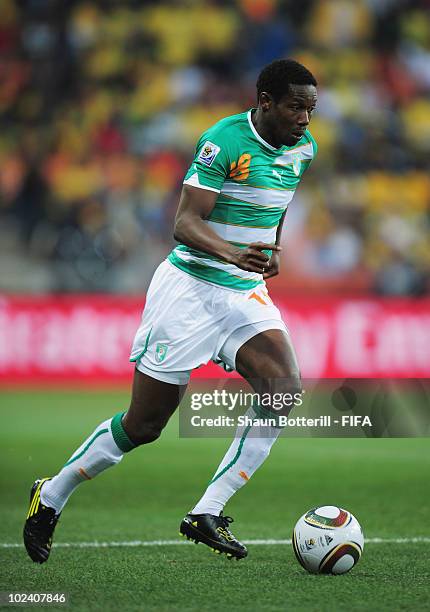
103,449
251,446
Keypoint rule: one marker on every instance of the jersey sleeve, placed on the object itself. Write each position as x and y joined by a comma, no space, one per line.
211,163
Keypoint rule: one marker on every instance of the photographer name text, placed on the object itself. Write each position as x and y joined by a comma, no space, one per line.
280,421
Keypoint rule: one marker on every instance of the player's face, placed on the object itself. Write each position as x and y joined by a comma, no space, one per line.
291,115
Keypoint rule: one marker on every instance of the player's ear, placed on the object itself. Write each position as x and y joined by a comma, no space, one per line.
265,101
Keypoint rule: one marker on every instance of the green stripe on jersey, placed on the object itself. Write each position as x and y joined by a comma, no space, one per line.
213,275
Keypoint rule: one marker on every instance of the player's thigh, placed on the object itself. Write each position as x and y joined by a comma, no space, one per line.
269,363
152,404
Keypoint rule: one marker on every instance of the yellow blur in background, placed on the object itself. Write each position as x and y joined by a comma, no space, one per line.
101,105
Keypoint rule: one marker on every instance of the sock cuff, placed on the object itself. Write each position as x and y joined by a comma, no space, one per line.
118,433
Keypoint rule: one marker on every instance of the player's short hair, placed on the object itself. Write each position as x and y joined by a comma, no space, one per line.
276,78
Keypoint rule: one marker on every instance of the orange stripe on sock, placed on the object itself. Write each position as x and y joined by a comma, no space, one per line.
244,475
83,473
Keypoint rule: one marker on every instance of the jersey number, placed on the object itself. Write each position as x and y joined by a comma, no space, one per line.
239,171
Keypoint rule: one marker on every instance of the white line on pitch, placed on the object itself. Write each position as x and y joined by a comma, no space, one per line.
134,543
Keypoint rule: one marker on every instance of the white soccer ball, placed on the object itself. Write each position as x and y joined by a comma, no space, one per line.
328,540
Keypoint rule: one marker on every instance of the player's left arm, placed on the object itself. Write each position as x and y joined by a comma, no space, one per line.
275,260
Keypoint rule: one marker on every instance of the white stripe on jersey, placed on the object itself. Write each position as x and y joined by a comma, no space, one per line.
270,198
237,233
193,180
306,152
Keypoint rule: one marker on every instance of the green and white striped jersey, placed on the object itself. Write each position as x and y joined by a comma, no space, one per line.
255,182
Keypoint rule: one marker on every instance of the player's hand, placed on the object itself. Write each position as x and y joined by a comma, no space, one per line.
252,259
274,265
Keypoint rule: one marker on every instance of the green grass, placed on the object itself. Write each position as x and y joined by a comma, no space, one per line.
383,482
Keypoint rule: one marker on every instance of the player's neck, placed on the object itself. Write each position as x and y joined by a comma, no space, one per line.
266,134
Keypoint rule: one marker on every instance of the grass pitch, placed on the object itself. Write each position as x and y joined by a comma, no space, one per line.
383,482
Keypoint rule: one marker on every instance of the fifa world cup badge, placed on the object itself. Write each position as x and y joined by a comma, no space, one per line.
208,153
160,352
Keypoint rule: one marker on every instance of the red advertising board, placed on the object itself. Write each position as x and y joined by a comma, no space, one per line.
66,339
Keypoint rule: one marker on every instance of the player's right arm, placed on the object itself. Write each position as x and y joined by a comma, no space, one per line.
195,205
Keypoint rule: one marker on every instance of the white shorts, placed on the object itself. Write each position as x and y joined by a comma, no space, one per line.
186,322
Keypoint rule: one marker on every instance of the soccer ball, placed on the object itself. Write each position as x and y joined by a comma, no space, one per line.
328,540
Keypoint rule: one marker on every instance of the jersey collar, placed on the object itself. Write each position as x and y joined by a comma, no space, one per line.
257,135
264,142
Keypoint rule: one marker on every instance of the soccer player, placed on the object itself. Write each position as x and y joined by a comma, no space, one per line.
208,301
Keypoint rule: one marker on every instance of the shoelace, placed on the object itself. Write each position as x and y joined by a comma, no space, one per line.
226,520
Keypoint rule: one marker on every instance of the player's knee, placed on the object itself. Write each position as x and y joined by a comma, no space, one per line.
282,381
284,391
272,372
294,385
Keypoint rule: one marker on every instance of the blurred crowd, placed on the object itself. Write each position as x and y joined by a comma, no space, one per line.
101,104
